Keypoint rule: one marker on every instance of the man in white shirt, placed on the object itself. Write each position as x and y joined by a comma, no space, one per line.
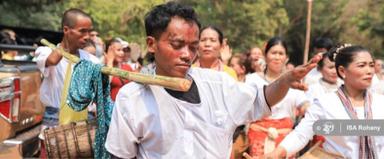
154,122
76,27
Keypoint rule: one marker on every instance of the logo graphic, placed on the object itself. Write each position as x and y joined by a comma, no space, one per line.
328,128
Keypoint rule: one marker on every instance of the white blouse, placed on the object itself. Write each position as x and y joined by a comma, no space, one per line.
285,108
329,106
320,88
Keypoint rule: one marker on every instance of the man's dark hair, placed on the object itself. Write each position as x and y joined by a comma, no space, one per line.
323,42
157,20
218,31
70,15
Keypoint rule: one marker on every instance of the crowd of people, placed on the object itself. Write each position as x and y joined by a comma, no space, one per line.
254,101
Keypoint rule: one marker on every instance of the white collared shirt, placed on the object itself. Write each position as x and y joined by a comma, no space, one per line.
149,123
329,106
53,82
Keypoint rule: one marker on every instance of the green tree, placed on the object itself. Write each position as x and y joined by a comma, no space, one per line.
325,22
245,23
368,26
31,14
118,18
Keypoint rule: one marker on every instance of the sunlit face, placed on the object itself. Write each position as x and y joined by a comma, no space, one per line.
209,45
360,71
79,34
116,48
328,71
256,54
176,47
378,66
276,58
93,35
234,64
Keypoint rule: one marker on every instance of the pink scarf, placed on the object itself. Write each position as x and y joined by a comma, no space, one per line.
366,145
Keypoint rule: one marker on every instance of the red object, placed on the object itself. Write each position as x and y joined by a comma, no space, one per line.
5,108
256,138
43,152
117,82
318,138
9,106
16,84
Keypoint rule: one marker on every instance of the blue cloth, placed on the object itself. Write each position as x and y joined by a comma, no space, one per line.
88,85
51,116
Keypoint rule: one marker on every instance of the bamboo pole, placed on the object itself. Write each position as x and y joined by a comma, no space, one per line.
308,32
178,84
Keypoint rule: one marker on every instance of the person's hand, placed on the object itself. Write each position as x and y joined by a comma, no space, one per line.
225,52
109,57
298,73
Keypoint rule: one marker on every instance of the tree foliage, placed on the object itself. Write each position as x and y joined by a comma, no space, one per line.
118,18
31,14
245,23
325,22
369,26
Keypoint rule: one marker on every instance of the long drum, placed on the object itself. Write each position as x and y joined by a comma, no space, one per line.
74,140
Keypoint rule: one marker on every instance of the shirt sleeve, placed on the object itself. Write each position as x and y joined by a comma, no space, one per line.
42,56
245,103
299,137
121,138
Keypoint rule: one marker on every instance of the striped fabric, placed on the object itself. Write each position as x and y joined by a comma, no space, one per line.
366,145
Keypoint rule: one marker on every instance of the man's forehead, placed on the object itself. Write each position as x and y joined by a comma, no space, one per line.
80,20
184,37
182,29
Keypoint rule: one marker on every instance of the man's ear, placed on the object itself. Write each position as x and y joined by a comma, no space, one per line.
65,29
151,44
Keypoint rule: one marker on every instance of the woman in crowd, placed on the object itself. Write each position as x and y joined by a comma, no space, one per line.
115,58
237,63
210,44
328,82
256,57
265,134
353,100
